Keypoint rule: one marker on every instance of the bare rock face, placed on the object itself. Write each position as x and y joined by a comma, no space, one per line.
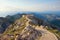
29,33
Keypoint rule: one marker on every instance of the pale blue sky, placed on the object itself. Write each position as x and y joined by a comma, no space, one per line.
29,5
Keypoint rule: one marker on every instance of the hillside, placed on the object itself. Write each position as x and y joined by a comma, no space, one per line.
6,21
28,27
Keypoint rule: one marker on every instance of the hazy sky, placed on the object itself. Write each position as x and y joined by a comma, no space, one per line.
29,5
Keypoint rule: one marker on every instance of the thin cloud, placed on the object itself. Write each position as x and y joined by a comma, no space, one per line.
29,5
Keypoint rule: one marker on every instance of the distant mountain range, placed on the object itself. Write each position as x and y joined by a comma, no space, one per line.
50,19
29,26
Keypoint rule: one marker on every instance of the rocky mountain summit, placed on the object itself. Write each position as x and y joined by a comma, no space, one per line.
28,27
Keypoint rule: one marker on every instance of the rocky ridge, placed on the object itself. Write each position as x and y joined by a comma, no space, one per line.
27,28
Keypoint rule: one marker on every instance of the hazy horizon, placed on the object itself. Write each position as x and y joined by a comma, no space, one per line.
11,6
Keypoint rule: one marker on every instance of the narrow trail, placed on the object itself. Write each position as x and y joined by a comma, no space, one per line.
46,35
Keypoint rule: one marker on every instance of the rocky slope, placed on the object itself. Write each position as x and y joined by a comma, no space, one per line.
28,27
46,35
6,21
